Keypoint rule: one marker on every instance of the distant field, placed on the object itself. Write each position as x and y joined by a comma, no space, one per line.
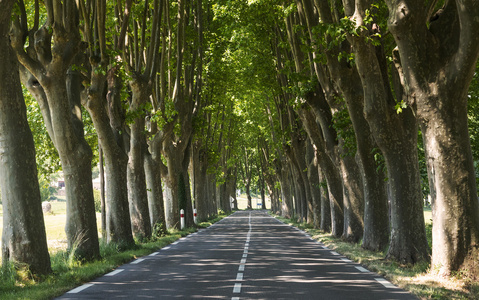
54,225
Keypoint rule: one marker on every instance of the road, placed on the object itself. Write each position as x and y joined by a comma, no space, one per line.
248,255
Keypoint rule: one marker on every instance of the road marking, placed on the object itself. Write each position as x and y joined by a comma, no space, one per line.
115,272
174,243
166,248
154,253
245,255
235,298
335,253
245,251
237,288
139,260
346,260
239,277
243,261
362,269
386,283
80,288
241,268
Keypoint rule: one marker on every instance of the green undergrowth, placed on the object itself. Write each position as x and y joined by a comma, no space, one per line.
16,282
418,279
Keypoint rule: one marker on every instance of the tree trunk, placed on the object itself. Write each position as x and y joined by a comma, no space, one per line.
376,221
61,111
175,185
454,203
199,164
156,205
248,195
286,208
102,192
330,171
137,196
118,223
439,60
353,199
313,178
75,155
24,238
325,224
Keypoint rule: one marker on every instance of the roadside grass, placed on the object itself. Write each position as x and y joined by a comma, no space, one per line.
16,282
418,279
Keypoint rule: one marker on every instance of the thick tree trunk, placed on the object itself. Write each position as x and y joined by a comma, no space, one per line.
156,205
137,195
408,236
286,208
24,238
353,200
199,163
439,60
62,113
175,185
211,184
325,224
188,203
455,204
118,223
75,156
248,195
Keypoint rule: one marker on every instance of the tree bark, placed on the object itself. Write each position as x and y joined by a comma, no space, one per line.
438,62
108,125
24,238
156,205
137,195
376,221
54,53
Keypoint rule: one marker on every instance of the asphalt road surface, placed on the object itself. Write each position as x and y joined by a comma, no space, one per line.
248,255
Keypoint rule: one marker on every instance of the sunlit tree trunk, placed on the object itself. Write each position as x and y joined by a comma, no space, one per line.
23,238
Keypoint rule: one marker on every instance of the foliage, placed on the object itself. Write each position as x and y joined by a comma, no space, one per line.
97,197
473,119
48,161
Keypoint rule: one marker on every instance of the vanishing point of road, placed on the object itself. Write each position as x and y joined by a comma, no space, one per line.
248,255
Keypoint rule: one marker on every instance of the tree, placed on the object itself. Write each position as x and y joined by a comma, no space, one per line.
24,237
108,118
438,50
49,56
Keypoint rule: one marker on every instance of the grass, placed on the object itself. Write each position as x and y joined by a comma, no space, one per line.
17,283
418,279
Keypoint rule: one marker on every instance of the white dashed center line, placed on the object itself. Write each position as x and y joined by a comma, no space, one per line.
237,288
239,276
